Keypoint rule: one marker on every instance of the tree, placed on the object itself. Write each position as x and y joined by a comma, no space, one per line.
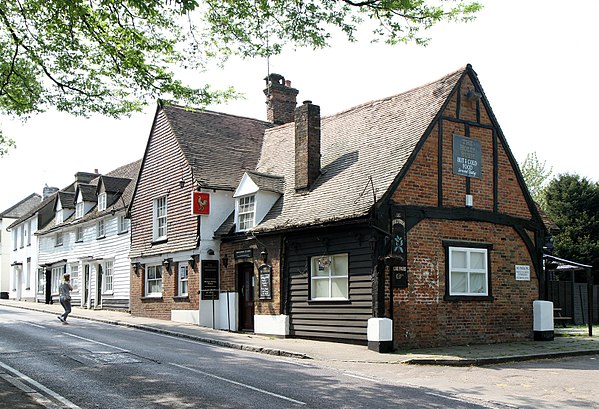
573,203
114,56
536,175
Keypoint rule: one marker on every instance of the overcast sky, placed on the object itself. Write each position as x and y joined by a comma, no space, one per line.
536,60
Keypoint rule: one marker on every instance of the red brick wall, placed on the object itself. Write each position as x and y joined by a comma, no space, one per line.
161,307
229,274
422,316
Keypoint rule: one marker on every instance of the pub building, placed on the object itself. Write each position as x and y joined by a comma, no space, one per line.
398,223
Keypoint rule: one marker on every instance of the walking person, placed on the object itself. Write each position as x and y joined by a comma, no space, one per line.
64,292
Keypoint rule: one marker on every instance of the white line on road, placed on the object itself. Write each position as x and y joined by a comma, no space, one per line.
360,377
239,384
95,342
34,325
39,386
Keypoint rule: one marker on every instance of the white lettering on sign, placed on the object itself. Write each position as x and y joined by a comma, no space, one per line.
522,273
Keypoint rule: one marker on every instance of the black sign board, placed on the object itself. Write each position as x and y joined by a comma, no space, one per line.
265,277
248,253
209,280
466,157
398,260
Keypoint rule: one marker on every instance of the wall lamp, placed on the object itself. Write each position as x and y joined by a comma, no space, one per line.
225,261
136,265
182,182
210,252
264,255
167,264
372,243
192,261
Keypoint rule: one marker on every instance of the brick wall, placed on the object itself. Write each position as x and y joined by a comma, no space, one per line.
161,307
229,275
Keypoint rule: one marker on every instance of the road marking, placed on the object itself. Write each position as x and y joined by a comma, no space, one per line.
95,342
39,386
35,325
360,377
220,378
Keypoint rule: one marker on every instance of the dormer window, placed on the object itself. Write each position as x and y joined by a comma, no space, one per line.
247,212
102,202
79,210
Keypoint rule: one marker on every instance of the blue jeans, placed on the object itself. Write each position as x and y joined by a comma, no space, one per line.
66,304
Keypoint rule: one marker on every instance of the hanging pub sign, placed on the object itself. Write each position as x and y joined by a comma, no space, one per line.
209,283
265,279
245,253
398,259
200,203
466,157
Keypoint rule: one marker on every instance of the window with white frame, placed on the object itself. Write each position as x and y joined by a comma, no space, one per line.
246,212
79,234
22,228
182,279
102,202
41,280
79,209
74,271
468,271
14,238
57,273
329,278
28,274
29,235
153,282
123,224
25,235
59,238
100,232
108,271
160,219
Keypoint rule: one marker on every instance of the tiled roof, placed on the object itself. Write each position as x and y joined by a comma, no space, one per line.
219,147
88,192
22,207
363,150
50,200
115,185
67,199
268,182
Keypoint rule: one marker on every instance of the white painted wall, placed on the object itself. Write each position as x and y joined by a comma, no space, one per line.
93,251
22,286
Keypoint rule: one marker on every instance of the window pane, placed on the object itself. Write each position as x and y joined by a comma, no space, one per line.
459,282
320,288
458,259
339,287
477,260
340,265
320,266
478,283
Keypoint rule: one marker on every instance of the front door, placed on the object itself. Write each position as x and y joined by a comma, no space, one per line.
98,301
245,286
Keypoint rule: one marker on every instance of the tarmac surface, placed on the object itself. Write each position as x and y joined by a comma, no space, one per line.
567,342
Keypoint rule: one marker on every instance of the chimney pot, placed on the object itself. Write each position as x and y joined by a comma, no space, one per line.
288,83
307,102
281,99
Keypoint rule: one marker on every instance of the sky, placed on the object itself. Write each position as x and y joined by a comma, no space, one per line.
536,60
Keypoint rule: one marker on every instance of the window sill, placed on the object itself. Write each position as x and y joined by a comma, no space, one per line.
469,298
181,298
58,245
122,232
152,298
100,237
159,241
329,302
79,241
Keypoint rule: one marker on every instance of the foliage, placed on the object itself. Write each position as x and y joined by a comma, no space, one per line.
536,175
114,56
573,203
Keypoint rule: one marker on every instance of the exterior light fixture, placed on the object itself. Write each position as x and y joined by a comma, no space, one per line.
264,255
182,182
372,243
210,252
192,261
472,95
225,261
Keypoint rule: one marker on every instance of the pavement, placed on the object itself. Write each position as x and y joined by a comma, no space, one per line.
567,342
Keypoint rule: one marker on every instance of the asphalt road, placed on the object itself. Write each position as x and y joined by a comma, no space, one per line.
94,365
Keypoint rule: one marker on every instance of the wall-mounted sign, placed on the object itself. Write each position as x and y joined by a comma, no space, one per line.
522,273
466,157
398,260
200,203
247,253
209,281
265,279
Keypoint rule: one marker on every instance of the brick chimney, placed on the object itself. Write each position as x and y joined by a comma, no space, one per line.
307,145
280,99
